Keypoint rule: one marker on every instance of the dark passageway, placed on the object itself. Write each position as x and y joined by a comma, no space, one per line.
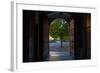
36,45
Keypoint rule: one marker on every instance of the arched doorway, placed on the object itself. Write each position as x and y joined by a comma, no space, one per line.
59,40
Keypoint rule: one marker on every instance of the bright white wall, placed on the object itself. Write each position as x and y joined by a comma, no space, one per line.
5,34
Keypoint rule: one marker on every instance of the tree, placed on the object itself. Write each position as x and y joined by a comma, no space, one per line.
59,29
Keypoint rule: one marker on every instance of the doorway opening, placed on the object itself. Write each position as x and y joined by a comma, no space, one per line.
59,40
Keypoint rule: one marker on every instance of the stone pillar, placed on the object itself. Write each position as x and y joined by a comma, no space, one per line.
46,37
71,33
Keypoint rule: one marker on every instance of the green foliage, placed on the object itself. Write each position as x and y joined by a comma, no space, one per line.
59,29
66,38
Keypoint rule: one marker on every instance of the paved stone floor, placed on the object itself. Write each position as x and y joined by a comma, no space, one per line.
60,56
58,53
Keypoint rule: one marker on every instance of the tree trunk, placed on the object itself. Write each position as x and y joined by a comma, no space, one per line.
61,43
61,38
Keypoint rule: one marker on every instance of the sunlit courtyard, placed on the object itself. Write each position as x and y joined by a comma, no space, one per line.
59,40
